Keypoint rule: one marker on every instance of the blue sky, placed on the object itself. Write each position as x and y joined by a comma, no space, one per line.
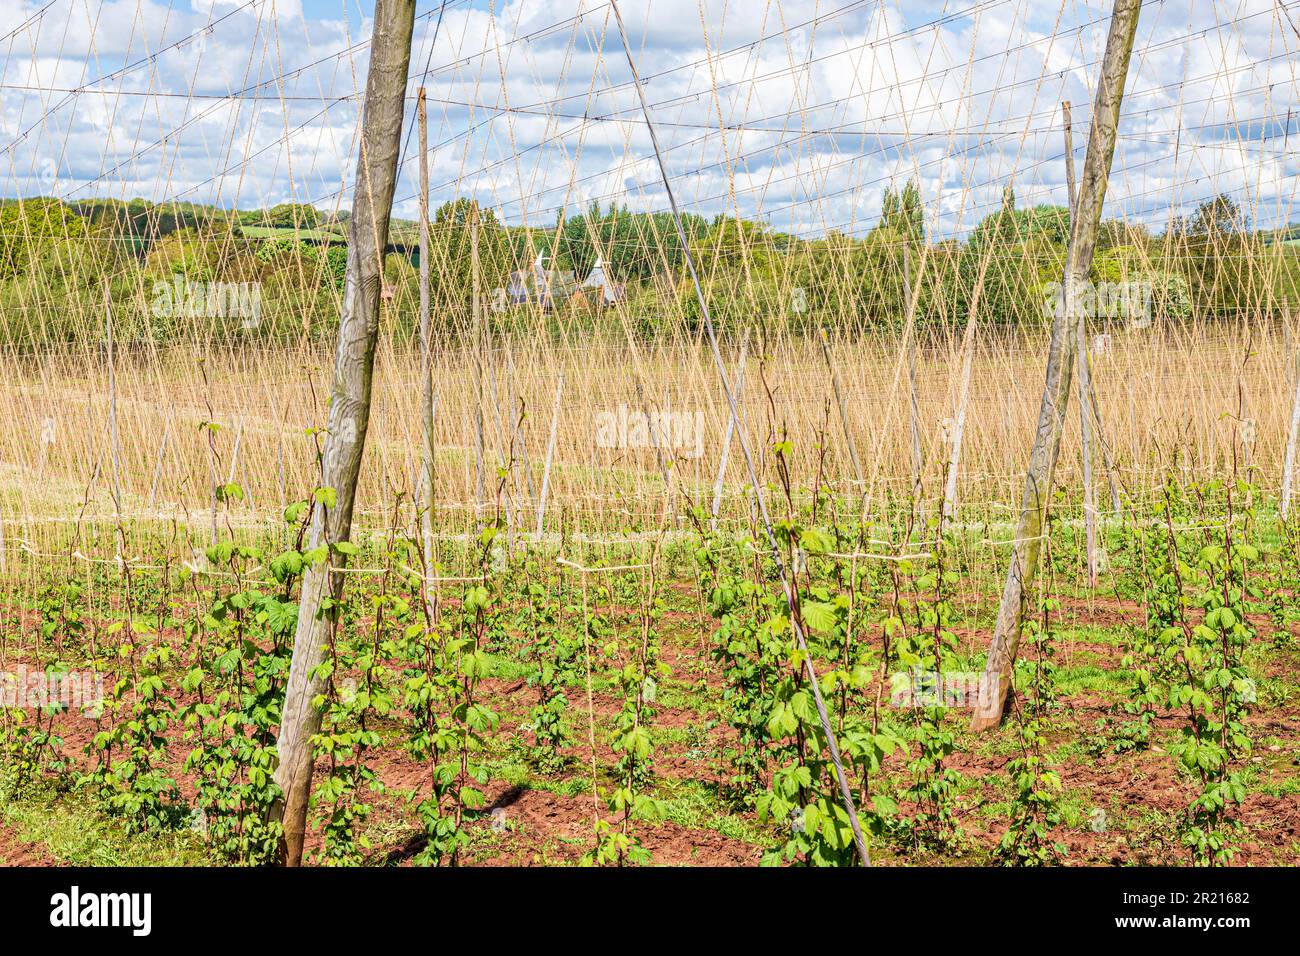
800,111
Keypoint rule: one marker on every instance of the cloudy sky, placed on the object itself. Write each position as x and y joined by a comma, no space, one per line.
799,111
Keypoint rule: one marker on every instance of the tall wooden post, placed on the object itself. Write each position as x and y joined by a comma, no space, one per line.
349,410
1069,158
1060,360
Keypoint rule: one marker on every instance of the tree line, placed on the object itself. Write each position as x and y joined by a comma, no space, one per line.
54,255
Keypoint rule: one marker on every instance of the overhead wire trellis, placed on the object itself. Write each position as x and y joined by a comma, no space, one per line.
183,181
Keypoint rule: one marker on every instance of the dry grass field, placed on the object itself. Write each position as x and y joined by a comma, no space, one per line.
1173,398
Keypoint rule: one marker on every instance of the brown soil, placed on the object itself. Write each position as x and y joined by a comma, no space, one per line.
14,851
536,825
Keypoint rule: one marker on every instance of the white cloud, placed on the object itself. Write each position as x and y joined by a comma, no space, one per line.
821,104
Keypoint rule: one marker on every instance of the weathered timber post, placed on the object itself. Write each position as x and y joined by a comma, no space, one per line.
1056,389
349,410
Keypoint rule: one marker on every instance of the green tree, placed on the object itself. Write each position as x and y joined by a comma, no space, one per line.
739,265
451,261
1215,218
901,212
32,229
635,247
1018,252
288,215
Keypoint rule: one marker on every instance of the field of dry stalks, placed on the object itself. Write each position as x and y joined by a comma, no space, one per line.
1172,398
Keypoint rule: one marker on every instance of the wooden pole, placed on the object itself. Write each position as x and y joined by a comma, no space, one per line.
503,432
349,409
1247,427
653,421
1085,431
1027,544
215,478
234,455
1069,158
